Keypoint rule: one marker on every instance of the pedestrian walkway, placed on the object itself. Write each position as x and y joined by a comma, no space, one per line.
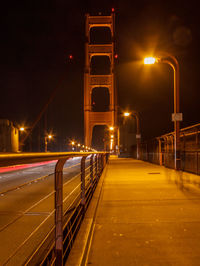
141,214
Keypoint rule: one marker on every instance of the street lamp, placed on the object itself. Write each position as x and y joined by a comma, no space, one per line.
21,131
112,129
176,116
72,143
46,138
126,114
138,134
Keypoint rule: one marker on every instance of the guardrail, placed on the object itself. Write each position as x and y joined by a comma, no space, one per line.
160,150
66,221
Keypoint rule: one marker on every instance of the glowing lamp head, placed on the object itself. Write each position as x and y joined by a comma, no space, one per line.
79,144
21,129
149,60
126,114
72,142
112,136
111,128
49,136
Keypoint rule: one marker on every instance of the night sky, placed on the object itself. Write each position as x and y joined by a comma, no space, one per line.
38,36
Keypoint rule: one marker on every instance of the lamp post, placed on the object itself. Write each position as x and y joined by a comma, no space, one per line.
176,116
46,138
138,134
73,143
21,131
116,129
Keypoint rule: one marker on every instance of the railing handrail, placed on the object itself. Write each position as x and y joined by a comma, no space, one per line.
8,159
97,163
181,130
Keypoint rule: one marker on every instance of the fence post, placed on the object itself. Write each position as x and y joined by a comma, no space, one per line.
96,164
102,162
83,184
99,165
58,184
91,170
160,151
107,156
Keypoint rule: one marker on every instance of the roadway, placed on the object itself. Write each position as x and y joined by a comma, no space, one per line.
27,201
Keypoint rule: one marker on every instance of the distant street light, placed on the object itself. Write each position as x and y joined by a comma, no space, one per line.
138,134
126,114
112,129
72,143
46,138
21,132
176,116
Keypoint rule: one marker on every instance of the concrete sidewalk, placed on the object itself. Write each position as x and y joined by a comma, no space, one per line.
141,214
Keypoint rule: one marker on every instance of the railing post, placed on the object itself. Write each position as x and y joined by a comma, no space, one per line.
107,156
102,162
58,184
96,166
83,184
99,165
91,170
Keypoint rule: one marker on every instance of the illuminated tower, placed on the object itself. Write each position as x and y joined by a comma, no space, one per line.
92,81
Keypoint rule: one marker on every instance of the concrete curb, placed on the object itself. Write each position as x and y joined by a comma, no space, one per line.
78,254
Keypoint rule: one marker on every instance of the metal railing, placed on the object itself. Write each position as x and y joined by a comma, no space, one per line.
160,150
57,243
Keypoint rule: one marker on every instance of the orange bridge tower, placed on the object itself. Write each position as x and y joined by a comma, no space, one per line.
93,80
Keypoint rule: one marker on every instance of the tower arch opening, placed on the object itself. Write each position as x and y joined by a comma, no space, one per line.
100,35
100,99
99,139
100,65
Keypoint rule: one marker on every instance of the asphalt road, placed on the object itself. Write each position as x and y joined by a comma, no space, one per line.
27,206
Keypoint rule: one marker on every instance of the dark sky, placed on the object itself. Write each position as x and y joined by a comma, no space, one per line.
38,36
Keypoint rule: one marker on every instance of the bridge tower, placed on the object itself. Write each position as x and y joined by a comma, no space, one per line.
92,81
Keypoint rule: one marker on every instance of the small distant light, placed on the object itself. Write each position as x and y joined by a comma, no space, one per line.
70,56
79,144
126,114
113,10
21,129
50,136
111,128
116,56
149,60
112,136
72,142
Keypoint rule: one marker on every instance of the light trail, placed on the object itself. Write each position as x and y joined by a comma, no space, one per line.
23,166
